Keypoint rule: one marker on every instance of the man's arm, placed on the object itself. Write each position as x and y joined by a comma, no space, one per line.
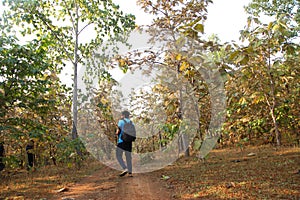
119,127
117,131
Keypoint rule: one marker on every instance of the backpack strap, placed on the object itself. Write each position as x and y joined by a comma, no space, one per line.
126,121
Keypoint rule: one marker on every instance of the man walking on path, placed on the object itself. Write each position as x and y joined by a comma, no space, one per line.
123,146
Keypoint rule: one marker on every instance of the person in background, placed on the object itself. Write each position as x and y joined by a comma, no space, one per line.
123,146
30,154
2,166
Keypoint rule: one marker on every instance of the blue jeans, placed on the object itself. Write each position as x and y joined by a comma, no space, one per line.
127,148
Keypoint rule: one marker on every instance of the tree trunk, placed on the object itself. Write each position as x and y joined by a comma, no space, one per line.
186,146
183,140
272,105
160,140
277,132
75,65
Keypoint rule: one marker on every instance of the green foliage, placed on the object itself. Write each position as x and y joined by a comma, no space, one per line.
34,104
63,23
262,76
67,151
170,130
263,91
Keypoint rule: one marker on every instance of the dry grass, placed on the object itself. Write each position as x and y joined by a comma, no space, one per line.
41,183
232,174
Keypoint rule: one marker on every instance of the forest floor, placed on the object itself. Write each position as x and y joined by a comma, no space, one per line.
261,172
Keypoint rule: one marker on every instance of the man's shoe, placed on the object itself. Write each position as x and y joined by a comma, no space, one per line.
123,173
130,174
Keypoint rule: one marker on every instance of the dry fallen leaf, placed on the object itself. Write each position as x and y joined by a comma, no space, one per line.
62,190
251,154
230,185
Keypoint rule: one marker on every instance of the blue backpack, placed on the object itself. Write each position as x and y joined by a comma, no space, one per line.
129,132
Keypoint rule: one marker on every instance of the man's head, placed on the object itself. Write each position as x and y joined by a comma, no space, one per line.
125,114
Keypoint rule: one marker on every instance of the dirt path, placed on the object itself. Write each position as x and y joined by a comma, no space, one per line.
105,184
143,186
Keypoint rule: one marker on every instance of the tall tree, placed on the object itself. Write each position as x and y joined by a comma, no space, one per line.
76,28
30,92
267,65
179,25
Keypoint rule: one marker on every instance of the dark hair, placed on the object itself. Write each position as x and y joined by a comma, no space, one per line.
126,114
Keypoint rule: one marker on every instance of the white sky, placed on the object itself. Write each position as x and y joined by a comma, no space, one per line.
225,17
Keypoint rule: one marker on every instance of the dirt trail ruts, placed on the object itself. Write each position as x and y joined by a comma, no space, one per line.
143,186
105,184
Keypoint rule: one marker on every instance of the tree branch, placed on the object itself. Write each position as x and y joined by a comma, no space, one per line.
69,12
84,27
